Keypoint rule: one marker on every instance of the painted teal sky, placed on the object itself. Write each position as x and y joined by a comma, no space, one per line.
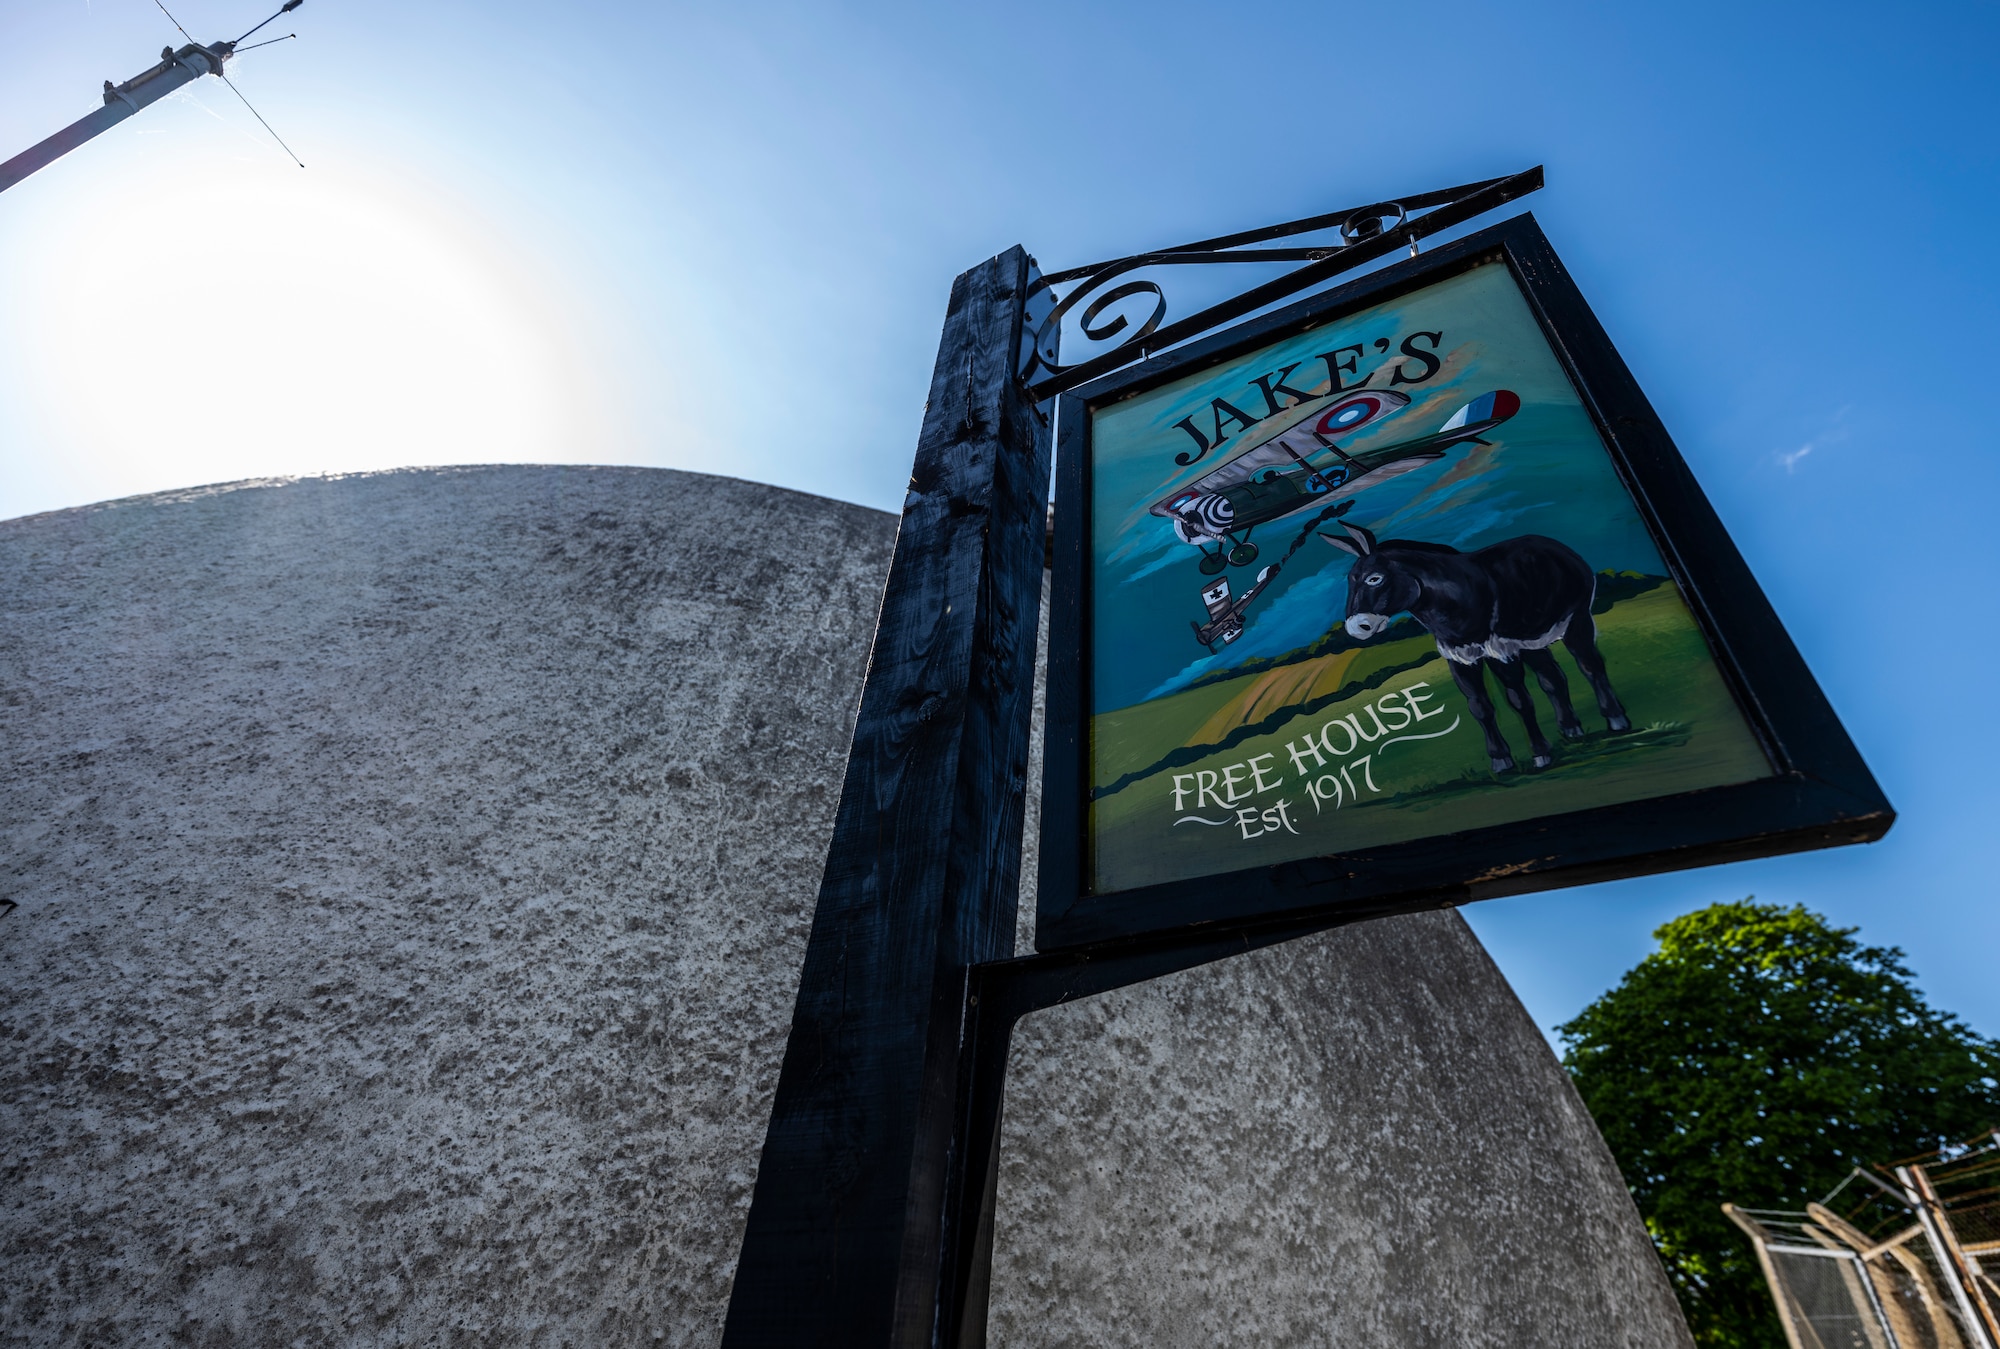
731,231
1544,472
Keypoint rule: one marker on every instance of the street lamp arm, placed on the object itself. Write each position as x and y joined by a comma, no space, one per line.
175,69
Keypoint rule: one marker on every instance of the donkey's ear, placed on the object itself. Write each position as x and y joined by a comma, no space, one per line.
1342,544
1362,537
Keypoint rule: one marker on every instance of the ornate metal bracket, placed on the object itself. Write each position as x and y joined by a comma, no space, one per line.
1366,233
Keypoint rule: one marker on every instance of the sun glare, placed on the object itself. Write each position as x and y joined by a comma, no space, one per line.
240,322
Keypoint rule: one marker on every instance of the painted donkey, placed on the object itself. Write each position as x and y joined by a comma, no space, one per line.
1503,606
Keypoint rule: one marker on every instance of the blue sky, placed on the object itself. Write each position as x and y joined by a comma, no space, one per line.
721,238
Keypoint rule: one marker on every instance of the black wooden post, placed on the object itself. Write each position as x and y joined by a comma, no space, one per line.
846,1237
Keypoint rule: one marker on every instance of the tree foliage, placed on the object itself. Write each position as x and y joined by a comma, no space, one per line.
1755,1058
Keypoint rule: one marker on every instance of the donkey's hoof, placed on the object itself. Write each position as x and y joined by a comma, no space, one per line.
1573,732
1544,760
1503,765
1619,723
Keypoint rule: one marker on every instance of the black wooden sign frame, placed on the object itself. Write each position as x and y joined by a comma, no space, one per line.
1821,794
872,1219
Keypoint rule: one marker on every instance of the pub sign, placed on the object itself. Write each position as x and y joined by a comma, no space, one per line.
1401,597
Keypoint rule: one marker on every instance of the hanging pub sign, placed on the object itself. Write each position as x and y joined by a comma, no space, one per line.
1401,597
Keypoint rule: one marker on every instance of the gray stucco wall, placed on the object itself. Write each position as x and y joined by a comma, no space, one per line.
1355,1139
413,871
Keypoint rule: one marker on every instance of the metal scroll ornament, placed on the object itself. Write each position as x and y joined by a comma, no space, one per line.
1365,233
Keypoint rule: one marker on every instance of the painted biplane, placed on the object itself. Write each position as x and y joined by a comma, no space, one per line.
1301,466
1225,613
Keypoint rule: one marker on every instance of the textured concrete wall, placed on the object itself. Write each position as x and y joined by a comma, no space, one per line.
1356,1139
413,870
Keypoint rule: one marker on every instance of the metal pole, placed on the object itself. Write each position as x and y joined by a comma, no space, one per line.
175,69
1944,1244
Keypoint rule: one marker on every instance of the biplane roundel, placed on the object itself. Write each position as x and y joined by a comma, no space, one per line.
1301,466
1356,410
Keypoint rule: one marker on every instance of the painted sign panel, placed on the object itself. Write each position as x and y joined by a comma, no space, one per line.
1398,597
1377,582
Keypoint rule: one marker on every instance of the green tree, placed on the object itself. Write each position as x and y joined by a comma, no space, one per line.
1755,1057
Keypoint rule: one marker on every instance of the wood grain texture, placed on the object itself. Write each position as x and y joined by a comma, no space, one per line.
846,1229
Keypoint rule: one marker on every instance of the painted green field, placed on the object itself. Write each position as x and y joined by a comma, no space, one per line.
1414,767
1136,740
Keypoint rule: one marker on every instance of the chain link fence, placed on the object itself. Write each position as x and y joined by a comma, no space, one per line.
1903,1256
